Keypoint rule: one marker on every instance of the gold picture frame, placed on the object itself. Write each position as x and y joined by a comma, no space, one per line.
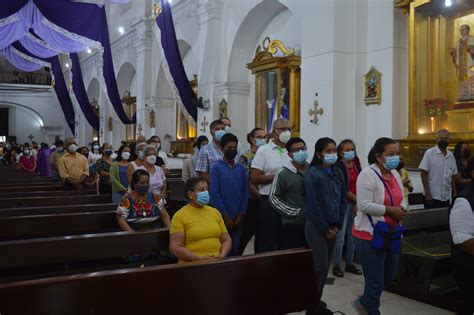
373,87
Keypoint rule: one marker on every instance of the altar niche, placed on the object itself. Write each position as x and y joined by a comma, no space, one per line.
130,103
277,84
441,79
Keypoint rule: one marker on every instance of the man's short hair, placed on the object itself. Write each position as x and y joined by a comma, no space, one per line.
293,141
280,121
216,123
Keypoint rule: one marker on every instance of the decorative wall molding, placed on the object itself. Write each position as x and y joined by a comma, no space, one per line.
209,11
227,88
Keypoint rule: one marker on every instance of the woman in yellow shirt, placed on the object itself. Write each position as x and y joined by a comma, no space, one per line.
197,230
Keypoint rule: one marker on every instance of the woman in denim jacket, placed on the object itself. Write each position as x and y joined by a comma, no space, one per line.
326,203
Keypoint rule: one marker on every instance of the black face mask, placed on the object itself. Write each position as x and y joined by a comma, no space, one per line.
85,154
400,166
443,144
230,154
466,153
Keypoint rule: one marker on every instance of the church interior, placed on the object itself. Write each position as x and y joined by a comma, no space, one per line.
236,157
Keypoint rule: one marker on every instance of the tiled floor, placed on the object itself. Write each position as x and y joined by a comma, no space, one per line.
340,295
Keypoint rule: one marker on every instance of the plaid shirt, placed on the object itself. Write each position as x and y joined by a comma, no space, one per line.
208,155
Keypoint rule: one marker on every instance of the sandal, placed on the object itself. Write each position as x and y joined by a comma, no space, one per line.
353,269
337,271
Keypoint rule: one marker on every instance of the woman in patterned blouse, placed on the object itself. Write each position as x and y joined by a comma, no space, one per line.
140,210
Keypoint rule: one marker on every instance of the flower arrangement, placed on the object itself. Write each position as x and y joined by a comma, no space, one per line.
435,107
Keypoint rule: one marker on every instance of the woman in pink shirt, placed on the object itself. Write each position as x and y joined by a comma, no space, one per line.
379,198
27,162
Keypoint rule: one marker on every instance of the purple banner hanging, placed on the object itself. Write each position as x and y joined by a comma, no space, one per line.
173,56
81,94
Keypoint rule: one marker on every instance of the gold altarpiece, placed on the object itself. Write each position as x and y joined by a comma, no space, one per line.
130,103
441,87
277,84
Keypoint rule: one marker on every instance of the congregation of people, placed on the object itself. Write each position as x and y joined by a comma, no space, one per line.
277,194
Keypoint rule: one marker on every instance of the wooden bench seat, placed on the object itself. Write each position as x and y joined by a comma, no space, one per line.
47,193
271,283
35,187
53,200
60,209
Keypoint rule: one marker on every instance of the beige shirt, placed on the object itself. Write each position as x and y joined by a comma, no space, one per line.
73,166
54,159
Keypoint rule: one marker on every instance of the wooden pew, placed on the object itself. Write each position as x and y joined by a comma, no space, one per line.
53,200
27,211
32,258
50,225
271,283
35,187
47,193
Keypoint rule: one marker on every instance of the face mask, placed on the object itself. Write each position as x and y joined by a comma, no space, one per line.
72,148
60,149
228,129
203,198
125,156
26,152
96,147
349,155
391,162
400,166
109,151
142,189
140,155
285,136
158,146
219,134
113,156
151,159
300,157
230,154
330,159
443,144
260,142
86,154
466,153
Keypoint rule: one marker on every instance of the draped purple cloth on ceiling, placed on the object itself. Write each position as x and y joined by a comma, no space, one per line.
81,93
173,57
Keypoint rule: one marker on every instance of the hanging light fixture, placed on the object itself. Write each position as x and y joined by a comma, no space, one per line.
448,3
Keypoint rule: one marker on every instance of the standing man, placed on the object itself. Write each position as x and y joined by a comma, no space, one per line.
54,159
438,173
211,153
267,161
73,167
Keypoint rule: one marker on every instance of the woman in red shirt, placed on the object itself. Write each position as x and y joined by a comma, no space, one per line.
27,162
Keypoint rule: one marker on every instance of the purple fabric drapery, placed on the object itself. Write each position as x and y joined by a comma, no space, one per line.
14,57
81,94
173,56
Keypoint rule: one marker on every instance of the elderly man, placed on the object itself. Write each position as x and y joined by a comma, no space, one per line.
73,167
211,153
268,160
438,173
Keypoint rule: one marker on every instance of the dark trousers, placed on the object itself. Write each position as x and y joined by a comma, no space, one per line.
292,236
436,204
465,280
235,235
249,224
267,235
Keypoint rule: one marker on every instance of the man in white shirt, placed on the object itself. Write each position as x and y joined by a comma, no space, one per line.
438,173
267,161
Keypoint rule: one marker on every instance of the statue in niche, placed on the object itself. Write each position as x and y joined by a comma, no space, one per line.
223,108
463,59
95,106
152,119
111,124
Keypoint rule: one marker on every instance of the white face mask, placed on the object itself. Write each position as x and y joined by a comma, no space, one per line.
158,146
125,156
113,156
72,148
285,136
151,159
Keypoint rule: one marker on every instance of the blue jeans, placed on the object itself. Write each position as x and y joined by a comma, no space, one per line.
117,197
235,235
380,269
268,227
346,231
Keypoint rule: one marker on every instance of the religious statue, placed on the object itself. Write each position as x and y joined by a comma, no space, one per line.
373,87
463,59
152,119
223,108
111,124
95,106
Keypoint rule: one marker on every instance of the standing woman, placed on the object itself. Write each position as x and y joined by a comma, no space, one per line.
103,169
462,153
139,162
326,204
118,174
349,164
157,176
379,199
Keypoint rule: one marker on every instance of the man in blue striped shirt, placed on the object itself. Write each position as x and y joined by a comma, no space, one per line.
211,152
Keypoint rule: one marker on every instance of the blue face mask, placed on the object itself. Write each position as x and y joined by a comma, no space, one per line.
228,129
142,189
219,134
203,198
349,155
330,159
109,151
260,142
300,157
391,162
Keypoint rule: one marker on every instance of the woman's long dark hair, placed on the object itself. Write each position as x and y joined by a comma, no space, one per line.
92,147
136,177
340,155
251,134
120,150
319,148
458,150
379,148
200,140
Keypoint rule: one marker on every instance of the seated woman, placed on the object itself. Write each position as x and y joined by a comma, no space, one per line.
197,230
27,162
140,210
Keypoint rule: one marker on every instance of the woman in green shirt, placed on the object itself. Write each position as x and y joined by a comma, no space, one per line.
118,174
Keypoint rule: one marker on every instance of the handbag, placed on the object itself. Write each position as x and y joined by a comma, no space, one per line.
386,237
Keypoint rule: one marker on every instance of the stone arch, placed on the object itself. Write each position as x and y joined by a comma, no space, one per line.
125,78
93,90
